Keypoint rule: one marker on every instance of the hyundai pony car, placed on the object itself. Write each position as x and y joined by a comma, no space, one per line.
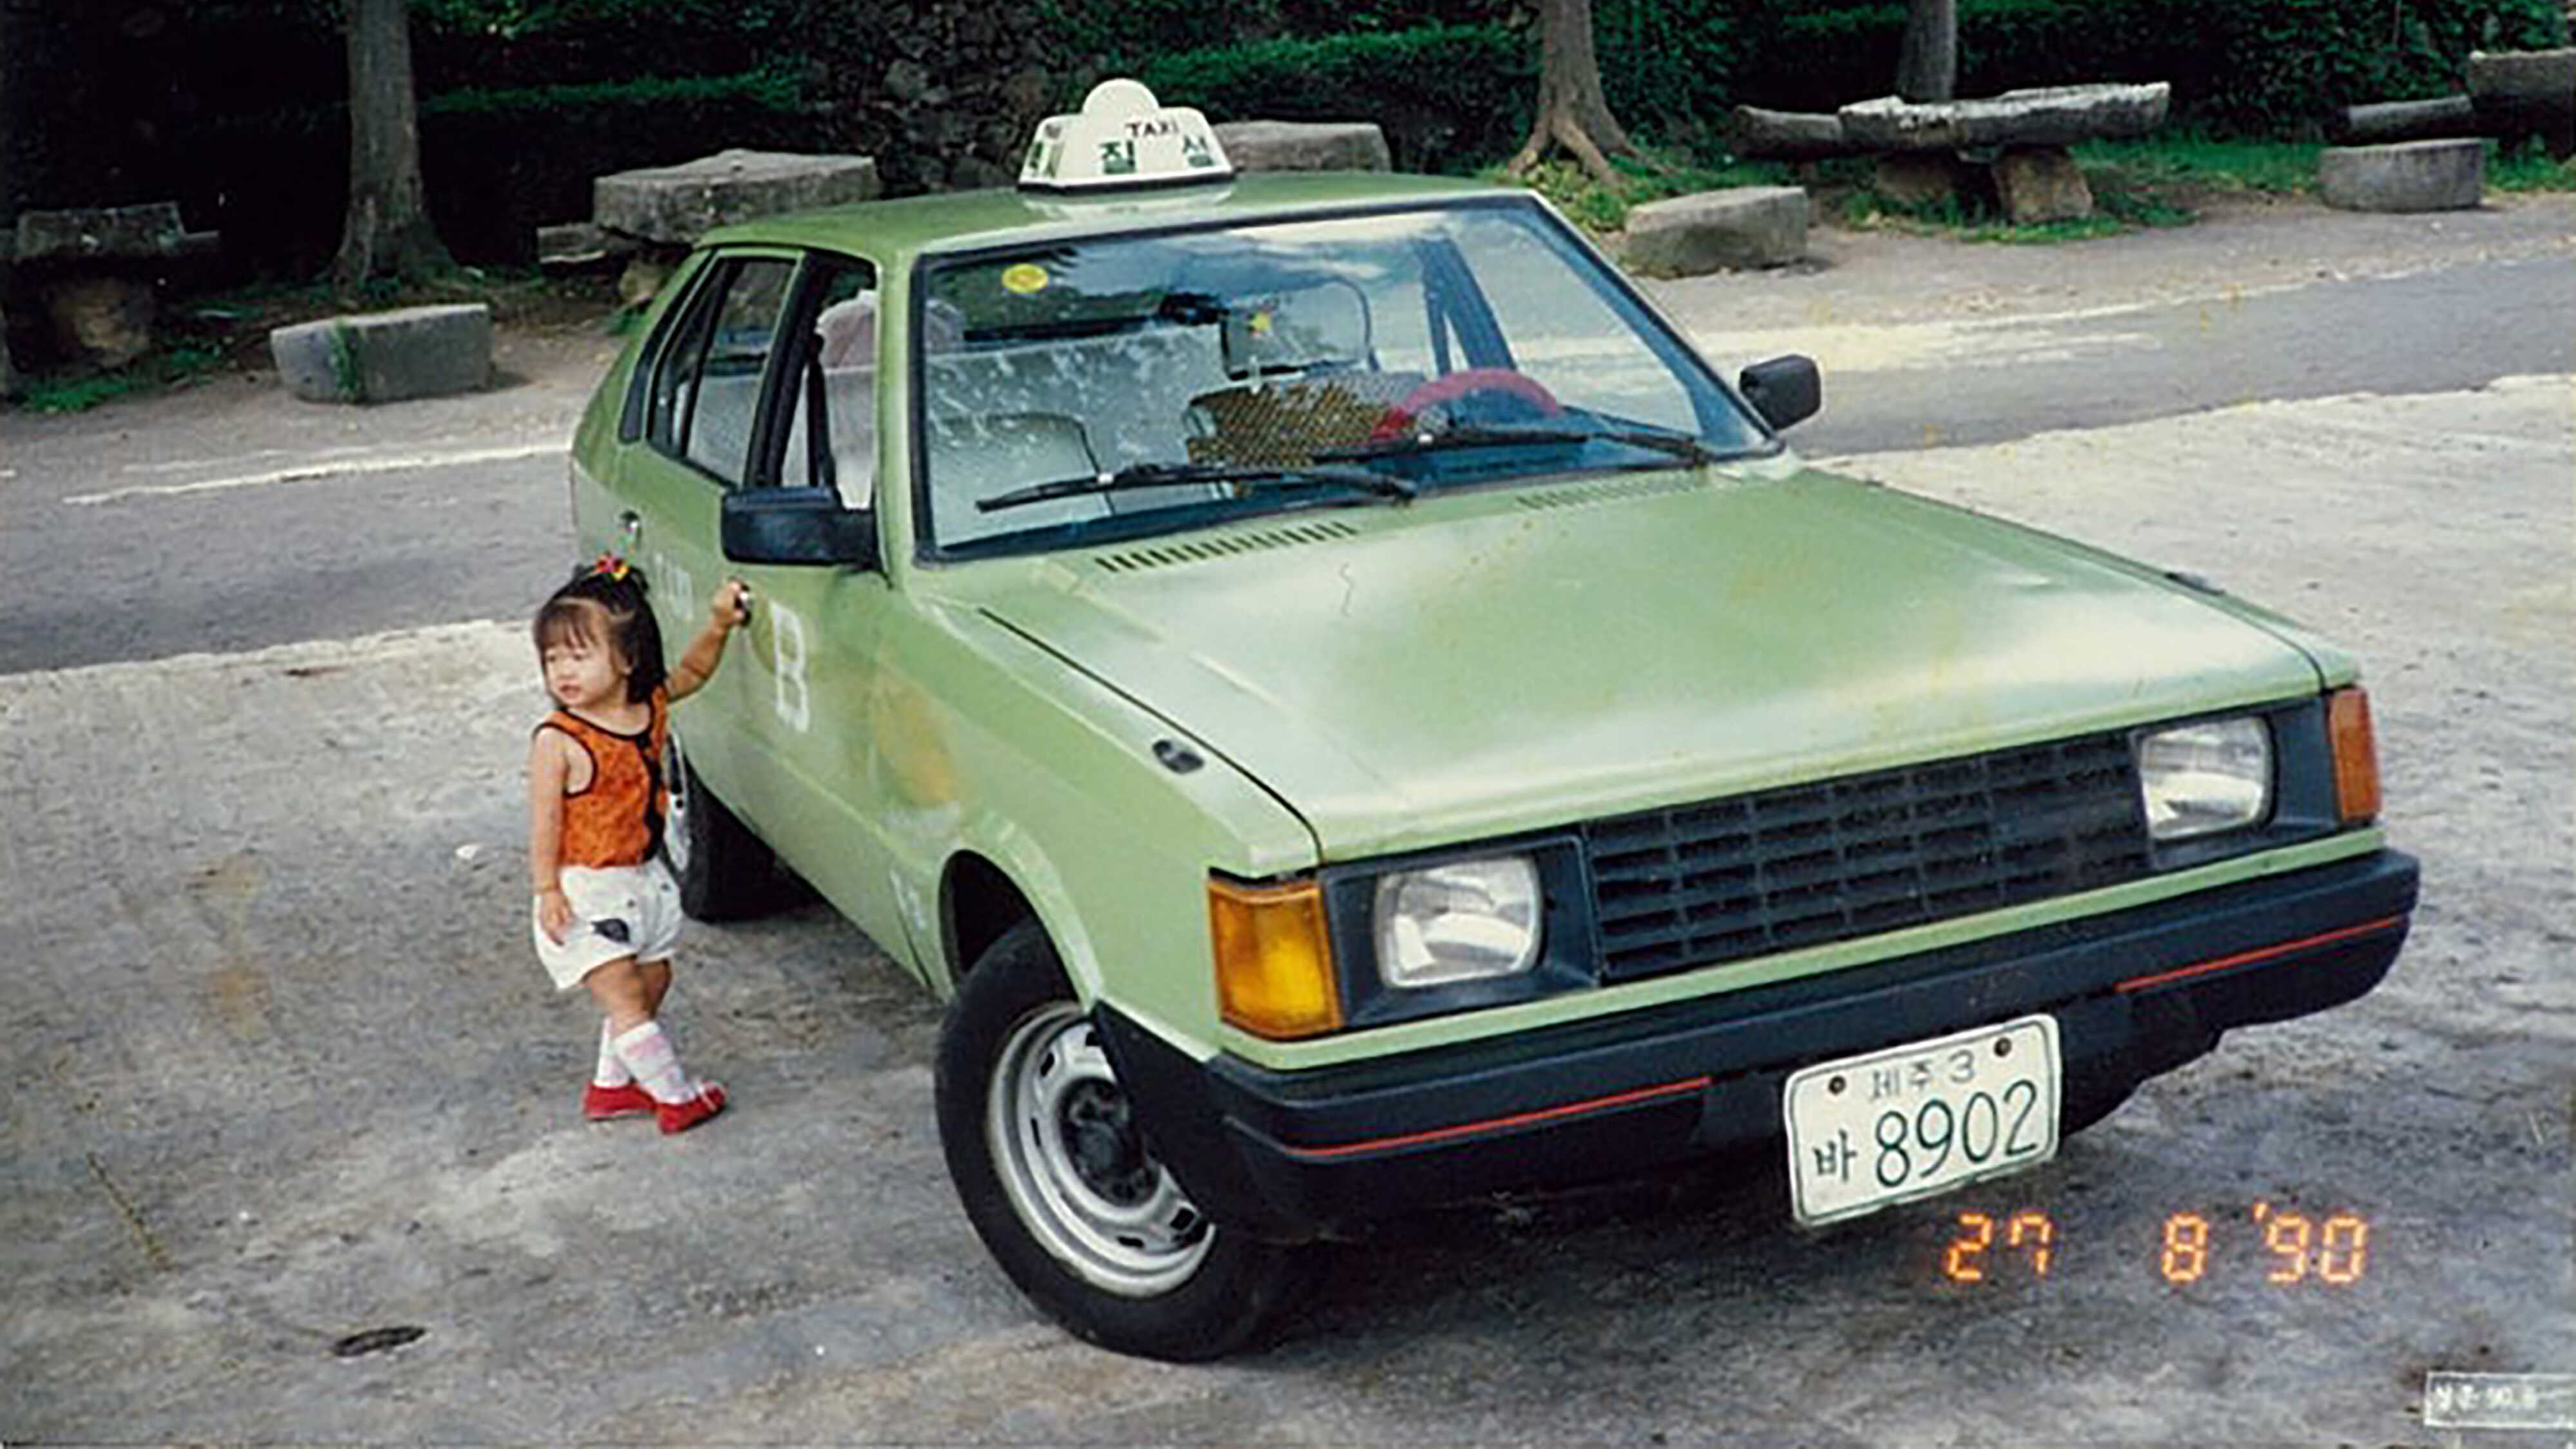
1353,713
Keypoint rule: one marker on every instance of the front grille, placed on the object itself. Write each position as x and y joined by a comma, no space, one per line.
1802,865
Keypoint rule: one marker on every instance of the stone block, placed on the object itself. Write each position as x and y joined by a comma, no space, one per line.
2519,93
675,205
2049,116
1304,145
150,230
102,320
2405,176
1745,226
375,357
578,245
2042,184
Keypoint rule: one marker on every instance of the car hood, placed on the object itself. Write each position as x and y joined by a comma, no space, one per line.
1484,665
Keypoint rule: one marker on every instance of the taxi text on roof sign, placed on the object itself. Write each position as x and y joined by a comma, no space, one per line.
1123,137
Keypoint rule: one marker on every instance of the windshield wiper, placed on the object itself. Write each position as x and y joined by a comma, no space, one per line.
1680,445
1165,475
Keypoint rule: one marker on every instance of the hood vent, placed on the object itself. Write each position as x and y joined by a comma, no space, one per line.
1612,491
1202,550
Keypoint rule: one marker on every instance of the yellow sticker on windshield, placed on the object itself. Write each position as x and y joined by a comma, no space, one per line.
1024,278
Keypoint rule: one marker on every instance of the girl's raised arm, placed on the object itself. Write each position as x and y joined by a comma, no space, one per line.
698,662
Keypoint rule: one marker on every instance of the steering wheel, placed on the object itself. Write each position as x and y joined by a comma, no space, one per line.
1519,395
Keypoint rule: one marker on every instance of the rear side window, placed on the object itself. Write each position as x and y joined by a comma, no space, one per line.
705,376
831,419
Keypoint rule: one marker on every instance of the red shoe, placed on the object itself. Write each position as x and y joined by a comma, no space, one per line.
698,1106
607,1104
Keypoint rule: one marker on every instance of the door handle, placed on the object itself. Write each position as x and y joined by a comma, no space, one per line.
631,524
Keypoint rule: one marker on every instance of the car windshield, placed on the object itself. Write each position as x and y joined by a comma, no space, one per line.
1128,386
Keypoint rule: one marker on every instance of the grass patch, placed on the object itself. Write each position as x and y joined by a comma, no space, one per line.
170,365
2185,162
2159,182
2528,168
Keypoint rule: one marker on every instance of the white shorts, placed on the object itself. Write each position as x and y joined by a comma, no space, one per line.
619,910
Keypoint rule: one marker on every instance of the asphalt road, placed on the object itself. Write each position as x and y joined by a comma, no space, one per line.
280,1075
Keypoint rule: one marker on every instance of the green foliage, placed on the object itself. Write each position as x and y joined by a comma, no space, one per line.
1123,36
2528,167
1668,65
2187,159
1313,18
168,367
1448,96
492,189
770,87
1119,35
523,19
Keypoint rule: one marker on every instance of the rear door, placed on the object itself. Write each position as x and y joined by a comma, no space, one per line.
763,374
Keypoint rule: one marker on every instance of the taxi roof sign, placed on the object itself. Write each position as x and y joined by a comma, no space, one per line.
1123,138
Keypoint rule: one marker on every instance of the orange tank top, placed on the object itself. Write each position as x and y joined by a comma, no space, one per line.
617,818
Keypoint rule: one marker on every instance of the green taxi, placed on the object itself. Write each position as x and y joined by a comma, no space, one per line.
1353,713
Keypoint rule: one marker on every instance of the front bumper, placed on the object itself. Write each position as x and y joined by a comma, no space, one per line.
2135,993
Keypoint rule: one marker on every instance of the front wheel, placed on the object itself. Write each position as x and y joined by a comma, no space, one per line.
1061,1184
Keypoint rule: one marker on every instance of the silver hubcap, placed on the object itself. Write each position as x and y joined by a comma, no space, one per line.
1077,1170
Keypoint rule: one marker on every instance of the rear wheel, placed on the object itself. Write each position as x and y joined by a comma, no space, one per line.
725,871
1063,1186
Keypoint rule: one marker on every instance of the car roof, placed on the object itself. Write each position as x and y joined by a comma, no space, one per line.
968,219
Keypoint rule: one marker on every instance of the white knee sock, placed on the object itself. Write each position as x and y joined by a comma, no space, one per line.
651,1057
611,1071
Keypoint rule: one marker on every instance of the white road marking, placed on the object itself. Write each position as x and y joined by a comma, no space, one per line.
200,465
500,643
317,471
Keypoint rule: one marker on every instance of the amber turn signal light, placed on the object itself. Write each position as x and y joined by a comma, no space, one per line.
2356,755
1274,965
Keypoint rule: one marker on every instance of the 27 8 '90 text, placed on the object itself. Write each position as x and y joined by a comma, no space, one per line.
2333,1251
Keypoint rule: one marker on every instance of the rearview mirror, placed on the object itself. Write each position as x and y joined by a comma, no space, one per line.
797,526
1784,390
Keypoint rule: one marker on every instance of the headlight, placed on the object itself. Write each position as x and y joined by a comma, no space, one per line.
2200,779
1463,921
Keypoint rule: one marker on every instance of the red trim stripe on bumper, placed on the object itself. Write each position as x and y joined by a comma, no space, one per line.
1502,1124
2267,953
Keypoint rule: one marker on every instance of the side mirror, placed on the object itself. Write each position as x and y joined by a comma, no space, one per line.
1784,390
797,526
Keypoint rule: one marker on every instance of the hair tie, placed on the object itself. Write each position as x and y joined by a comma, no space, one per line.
609,565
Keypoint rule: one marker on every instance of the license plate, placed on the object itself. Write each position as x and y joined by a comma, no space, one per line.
1870,1131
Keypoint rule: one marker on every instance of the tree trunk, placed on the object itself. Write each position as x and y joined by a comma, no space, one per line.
1572,111
388,231
17,151
1927,69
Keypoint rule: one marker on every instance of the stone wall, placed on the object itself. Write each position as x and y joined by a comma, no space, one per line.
944,95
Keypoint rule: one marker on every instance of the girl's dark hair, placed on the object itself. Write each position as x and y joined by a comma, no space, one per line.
615,597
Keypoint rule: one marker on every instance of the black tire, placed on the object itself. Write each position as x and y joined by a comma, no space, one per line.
1062,1186
725,872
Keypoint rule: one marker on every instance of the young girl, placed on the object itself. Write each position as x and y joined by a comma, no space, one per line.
607,912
